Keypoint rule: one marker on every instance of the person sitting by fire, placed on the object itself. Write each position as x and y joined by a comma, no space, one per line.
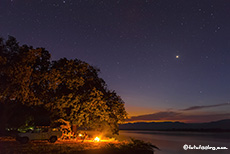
82,136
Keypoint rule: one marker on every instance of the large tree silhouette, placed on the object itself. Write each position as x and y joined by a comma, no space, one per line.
68,89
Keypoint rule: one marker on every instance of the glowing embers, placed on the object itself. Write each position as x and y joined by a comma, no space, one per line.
96,139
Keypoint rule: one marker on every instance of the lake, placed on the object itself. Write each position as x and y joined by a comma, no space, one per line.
173,142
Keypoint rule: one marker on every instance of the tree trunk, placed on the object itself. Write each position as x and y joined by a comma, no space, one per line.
74,128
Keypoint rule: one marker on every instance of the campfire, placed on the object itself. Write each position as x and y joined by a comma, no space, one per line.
84,137
97,139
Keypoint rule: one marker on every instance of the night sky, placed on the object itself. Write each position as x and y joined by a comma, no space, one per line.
167,59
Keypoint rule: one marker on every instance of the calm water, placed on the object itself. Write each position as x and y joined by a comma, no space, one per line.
173,142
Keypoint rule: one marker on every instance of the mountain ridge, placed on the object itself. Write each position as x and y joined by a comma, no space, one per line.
221,125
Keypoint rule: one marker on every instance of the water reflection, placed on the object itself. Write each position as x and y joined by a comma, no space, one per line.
173,142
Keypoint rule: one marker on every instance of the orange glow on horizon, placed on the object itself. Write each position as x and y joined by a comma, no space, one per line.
138,110
155,121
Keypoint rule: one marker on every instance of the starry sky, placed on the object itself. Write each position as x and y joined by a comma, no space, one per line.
167,59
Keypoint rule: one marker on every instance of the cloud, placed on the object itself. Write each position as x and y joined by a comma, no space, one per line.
155,116
204,106
179,116
205,117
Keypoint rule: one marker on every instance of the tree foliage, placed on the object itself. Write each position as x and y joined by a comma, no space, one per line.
68,89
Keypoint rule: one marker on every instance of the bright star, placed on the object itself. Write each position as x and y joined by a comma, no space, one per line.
177,56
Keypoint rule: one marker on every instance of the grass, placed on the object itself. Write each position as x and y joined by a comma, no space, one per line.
8,145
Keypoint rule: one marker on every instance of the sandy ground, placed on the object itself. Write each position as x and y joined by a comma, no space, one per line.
9,145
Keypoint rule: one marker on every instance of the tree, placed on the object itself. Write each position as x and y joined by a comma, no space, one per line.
22,72
82,98
69,89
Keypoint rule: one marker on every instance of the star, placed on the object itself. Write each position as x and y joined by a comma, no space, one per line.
177,56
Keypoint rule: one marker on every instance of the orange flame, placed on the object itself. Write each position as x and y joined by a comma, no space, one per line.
97,139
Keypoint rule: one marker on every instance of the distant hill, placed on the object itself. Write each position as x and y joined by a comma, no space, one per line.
222,125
